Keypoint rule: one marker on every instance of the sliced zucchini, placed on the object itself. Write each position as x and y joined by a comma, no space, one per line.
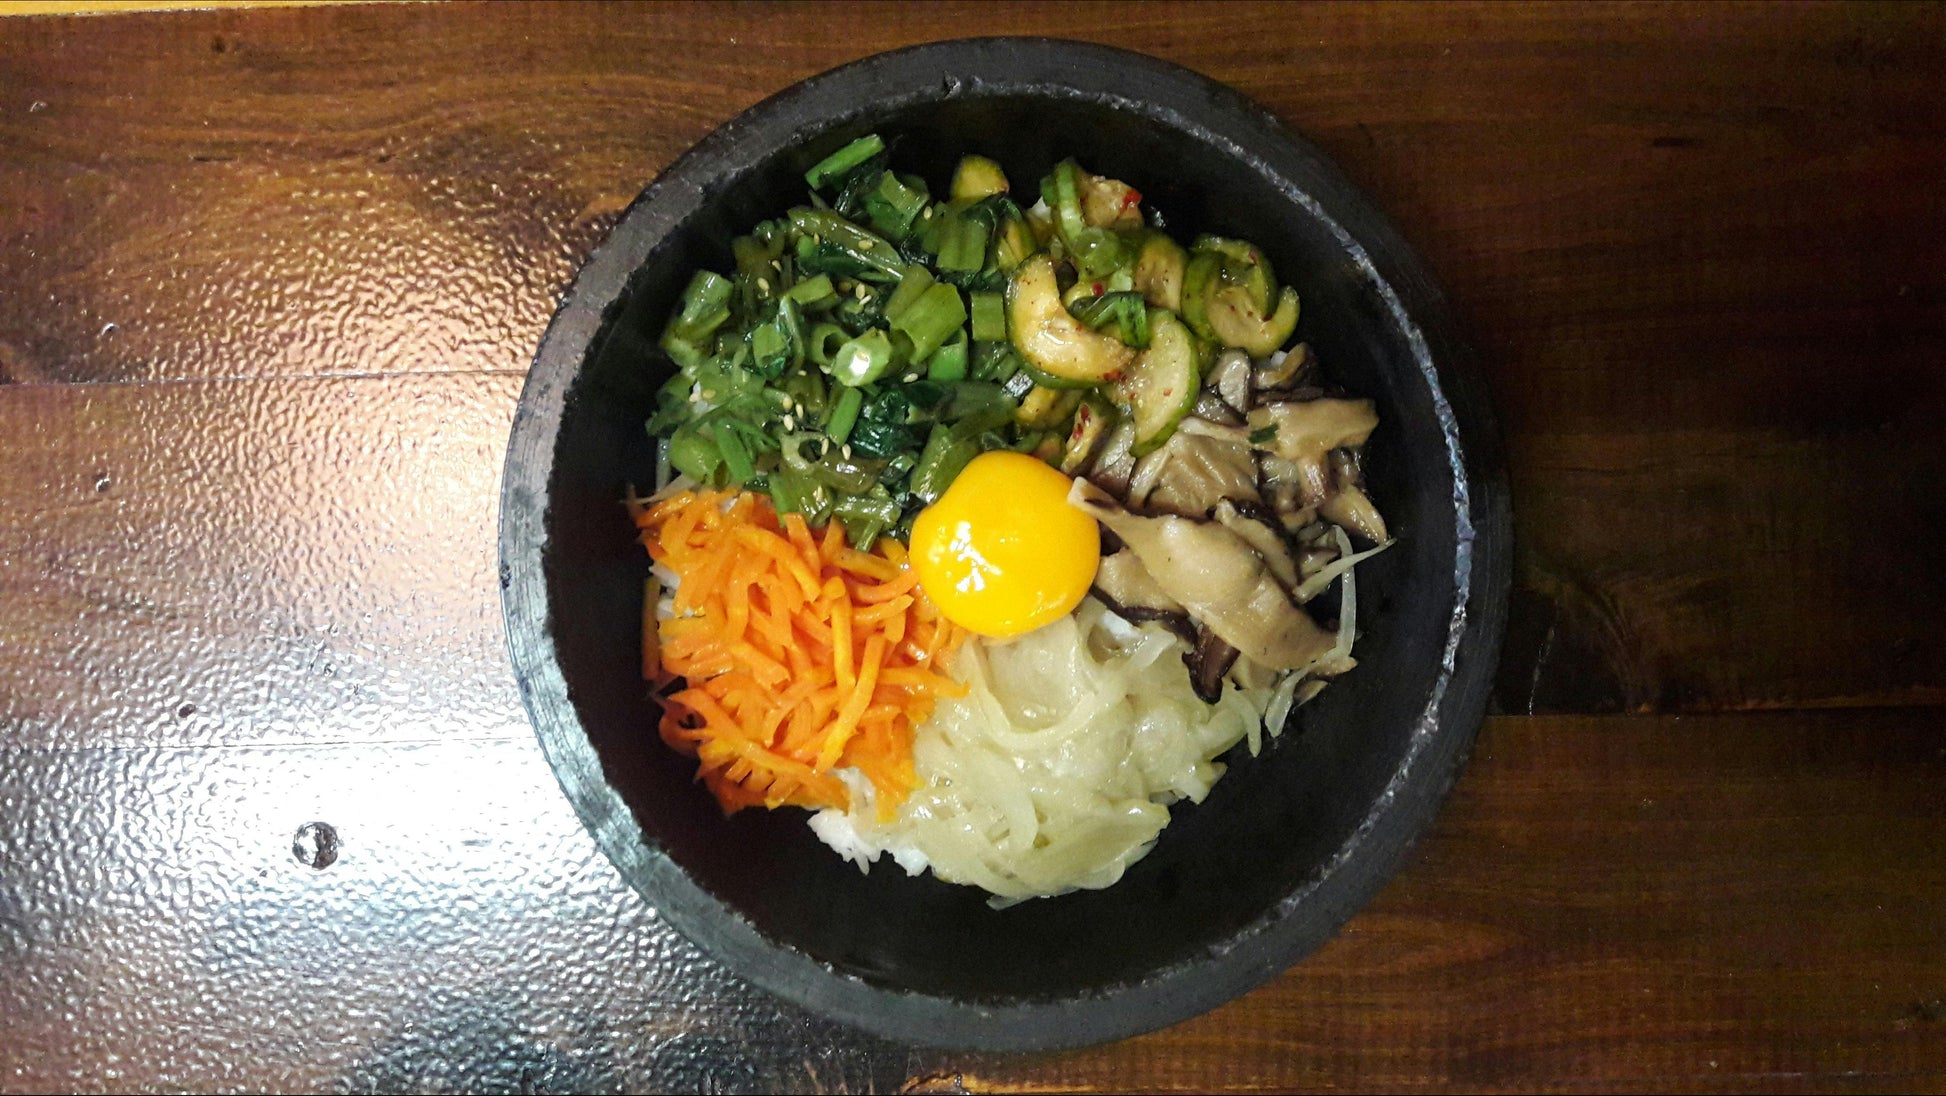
1047,407
1092,422
1049,380
1013,244
1049,338
1160,388
1109,203
1200,279
1235,321
1083,289
977,177
1048,448
1159,270
1040,225
1244,264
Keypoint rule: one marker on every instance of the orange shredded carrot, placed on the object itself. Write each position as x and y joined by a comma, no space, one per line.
798,654
885,591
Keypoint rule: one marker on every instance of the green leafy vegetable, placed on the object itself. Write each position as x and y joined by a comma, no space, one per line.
865,346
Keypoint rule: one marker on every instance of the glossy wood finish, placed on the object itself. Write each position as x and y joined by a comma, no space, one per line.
271,279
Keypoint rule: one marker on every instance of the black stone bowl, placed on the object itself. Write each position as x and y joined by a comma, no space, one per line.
1289,845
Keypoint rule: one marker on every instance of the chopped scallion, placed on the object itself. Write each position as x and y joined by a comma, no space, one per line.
736,455
989,313
842,161
863,359
931,319
813,292
705,305
948,363
844,415
914,280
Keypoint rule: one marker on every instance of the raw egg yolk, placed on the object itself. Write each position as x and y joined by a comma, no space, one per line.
1002,552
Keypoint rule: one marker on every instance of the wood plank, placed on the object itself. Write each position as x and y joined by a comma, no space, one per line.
1711,306
247,549
1740,902
1722,902
253,563
290,560
1738,193
305,560
1707,569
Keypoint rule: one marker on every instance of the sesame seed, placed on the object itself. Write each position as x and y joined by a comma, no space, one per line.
763,285
790,423
709,393
867,245
846,450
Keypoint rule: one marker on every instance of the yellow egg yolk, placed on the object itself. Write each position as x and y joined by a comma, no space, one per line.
1002,552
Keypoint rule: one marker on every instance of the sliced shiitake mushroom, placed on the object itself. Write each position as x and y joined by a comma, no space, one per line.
1218,578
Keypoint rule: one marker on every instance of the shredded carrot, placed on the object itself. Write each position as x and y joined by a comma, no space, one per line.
798,654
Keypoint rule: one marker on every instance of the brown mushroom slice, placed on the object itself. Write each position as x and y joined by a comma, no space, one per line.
1303,393
1262,539
1351,508
1199,466
1121,578
1209,661
1130,592
1210,407
1247,675
1285,370
1315,559
1286,501
1304,434
1177,623
1238,434
1230,378
1115,463
1218,578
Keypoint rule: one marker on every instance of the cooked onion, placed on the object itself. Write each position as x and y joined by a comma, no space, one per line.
1055,772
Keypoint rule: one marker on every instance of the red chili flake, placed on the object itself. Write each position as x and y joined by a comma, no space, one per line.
1133,197
1097,289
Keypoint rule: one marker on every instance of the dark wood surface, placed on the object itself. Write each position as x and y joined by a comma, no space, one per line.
270,282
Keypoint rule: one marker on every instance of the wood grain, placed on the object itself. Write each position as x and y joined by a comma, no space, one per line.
1702,255
1734,902
1618,903
1616,166
270,281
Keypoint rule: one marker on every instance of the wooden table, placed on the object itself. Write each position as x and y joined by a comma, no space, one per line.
268,284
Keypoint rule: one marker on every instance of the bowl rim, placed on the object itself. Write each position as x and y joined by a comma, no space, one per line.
1169,95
